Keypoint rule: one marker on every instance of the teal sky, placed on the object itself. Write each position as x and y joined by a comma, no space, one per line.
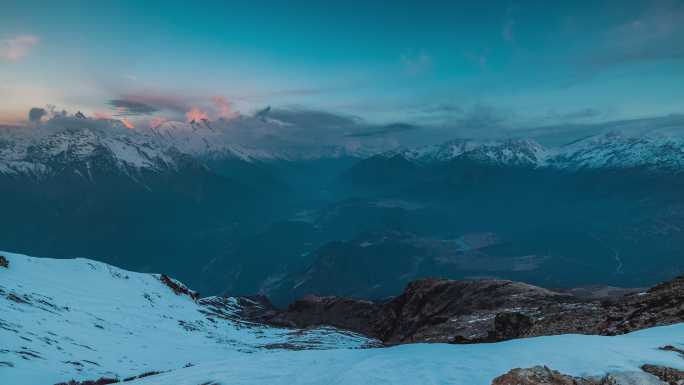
522,63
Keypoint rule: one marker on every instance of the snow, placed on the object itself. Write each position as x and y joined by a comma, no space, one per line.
512,152
34,151
81,319
77,318
437,363
607,151
38,152
615,150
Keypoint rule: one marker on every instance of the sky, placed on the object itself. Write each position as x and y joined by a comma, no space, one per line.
458,65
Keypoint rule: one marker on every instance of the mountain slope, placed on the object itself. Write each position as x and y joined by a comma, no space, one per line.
64,319
80,319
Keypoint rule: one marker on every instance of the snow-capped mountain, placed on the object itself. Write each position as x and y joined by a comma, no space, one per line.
506,152
217,139
84,320
615,150
80,147
608,151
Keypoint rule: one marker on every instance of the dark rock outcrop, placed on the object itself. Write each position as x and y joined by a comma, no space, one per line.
542,375
471,311
669,375
344,313
538,375
99,381
178,287
4,262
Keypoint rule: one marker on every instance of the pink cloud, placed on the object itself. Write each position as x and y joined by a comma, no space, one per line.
157,121
224,107
101,115
17,47
127,123
196,114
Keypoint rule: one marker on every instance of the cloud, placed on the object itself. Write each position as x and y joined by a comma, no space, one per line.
102,115
16,48
195,114
656,34
387,129
585,113
36,114
127,123
479,59
415,64
307,118
507,31
224,107
159,100
125,107
157,121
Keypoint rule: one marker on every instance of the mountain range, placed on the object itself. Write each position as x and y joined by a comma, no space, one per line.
231,219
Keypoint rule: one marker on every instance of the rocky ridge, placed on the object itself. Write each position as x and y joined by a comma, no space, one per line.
472,311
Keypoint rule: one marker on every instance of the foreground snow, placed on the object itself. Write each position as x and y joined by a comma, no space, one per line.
436,363
80,319
77,318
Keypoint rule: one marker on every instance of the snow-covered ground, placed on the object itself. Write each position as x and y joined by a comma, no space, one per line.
64,319
436,363
77,318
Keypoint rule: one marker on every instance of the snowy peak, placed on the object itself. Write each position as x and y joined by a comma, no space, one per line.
614,150
516,152
609,151
82,148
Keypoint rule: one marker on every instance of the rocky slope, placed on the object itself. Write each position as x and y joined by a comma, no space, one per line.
438,310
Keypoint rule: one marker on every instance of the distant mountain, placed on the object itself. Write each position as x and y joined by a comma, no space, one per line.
616,151
607,151
506,152
96,188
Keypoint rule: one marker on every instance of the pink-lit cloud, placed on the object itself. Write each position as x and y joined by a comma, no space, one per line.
224,107
16,48
196,114
157,121
127,123
102,115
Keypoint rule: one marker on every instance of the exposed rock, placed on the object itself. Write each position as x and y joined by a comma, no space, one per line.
350,314
663,304
255,307
99,381
670,348
538,375
542,375
178,287
4,262
511,325
470,311
669,375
